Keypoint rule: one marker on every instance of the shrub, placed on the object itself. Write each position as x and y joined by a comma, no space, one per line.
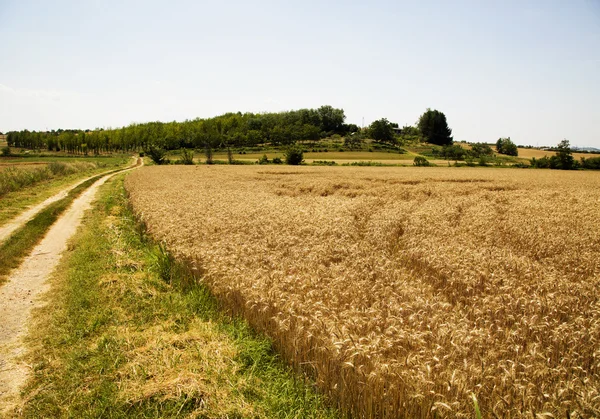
277,160
6,151
263,160
592,163
324,163
294,156
187,157
453,152
543,163
421,161
479,150
157,155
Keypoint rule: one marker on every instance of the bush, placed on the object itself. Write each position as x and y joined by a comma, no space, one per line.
187,157
592,163
324,163
277,160
453,152
479,150
6,151
543,163
263,160
421,161
157,154
294,156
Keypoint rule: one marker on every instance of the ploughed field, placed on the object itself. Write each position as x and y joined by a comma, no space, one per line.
402,291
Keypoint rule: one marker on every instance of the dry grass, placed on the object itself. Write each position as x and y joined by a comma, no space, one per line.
403,290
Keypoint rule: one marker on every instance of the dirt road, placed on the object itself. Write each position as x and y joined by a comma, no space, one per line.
19,221
22,291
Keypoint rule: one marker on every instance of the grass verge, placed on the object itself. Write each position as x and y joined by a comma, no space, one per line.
15,202
19,244
131,333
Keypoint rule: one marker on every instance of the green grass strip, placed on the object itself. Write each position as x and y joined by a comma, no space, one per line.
22,241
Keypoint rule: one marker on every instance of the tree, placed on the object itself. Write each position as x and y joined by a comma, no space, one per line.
434,127
382,131
506,146
564,156
332,119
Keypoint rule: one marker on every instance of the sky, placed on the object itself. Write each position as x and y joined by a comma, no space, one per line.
529,70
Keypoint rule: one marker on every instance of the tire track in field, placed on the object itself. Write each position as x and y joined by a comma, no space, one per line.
22,291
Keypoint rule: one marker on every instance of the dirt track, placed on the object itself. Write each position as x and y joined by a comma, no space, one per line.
19,221
22,291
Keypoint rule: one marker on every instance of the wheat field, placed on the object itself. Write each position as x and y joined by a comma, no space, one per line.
403,292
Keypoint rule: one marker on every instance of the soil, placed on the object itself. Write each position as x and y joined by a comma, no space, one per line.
22,293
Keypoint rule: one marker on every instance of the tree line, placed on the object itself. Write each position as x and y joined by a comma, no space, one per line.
228,130
233,130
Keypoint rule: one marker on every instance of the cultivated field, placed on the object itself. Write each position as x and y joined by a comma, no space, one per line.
528,153
403,291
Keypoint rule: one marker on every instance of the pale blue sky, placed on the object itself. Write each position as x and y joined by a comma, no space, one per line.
525,69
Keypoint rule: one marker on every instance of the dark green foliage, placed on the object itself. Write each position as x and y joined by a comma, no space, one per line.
592,163
451,152
350,128
421,161
277,160
332,119
6,151
208,153
409,133
263,160
506,146
294,156
542,163
479,150
365,163
232,129
354,141
157,155
382,131
187,157
564,157
562,160
434,128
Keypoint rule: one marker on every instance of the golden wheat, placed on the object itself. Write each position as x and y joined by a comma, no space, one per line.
403,291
